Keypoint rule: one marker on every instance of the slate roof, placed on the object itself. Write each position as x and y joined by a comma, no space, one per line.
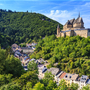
74,77
78,20
54,71
88,81
68,23
58,26
15,45
44,69
83,78
25,48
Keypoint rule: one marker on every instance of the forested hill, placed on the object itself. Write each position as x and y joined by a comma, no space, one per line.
71,53
25,26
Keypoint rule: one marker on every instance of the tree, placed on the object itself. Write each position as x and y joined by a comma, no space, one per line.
5,79
38,86
87,87
47,77
62,85
13,66
32,66
23,80
51,85
74,86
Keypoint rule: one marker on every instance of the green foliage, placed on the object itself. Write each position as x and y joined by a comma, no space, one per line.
23,45
30,76
38,86
47,77
5,79
21,27
73,53
9,64
62,86
32,66
87,87
51,85
74,86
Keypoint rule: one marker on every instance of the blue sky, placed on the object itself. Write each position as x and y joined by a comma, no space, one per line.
59,10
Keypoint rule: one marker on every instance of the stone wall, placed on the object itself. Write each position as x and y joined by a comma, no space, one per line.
82,33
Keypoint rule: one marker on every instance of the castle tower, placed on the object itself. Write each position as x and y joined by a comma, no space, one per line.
58,29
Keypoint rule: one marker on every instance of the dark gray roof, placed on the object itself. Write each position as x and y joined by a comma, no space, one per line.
78,20
88,81
84,78
58,26
68,23
72,20
25,48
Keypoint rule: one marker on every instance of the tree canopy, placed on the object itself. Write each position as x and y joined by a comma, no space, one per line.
71,53
22,27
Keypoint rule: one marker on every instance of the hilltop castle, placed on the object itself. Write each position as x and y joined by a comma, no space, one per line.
73,27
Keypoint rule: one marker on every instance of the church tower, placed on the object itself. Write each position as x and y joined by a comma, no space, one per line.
58,29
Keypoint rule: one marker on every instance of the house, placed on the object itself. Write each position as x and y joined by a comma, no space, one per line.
41,69
58,75
67,78
25,60
62,76
27,50
54,71
88,81
75,79
83,80
25,68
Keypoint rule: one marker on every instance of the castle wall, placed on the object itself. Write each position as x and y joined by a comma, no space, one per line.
68,33
82,33
62,34
58,35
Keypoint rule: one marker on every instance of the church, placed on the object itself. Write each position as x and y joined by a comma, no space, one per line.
73,27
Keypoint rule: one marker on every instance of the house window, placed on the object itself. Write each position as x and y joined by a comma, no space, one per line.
89,30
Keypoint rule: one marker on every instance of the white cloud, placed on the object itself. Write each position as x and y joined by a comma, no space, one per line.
60,15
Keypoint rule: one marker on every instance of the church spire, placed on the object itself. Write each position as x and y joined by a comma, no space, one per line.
58,26
79,15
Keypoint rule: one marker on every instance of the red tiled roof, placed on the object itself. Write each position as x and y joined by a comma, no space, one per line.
63,74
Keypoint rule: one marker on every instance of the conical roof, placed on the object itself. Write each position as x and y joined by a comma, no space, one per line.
58,26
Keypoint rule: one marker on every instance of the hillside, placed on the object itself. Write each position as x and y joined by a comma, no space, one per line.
71,53
25,26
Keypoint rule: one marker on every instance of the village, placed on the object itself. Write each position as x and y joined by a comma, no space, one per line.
23,54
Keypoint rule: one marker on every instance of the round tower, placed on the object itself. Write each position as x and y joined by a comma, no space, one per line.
58,29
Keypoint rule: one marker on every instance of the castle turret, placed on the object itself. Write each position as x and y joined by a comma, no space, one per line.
58,29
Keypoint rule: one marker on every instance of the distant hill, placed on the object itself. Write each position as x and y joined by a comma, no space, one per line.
25,26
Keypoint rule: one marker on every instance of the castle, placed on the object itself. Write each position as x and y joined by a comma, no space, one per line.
73,27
